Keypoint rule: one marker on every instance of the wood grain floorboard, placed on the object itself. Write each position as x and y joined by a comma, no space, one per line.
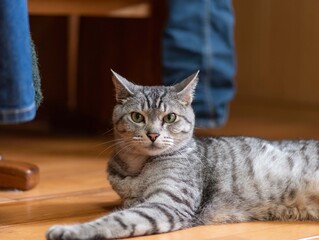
67,165
72,205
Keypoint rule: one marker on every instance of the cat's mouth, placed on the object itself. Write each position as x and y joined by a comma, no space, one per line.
154,149
153,146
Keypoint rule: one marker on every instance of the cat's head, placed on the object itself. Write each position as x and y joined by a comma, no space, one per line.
153,120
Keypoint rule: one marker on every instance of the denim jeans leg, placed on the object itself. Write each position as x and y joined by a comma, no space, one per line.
199,36
16,86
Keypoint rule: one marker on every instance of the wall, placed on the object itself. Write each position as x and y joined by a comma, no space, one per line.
278,51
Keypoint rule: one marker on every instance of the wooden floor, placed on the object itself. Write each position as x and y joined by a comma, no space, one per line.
73,186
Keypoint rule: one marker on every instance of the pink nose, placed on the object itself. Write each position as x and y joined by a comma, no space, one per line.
152,136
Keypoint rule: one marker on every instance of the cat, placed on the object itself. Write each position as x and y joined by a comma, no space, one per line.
170,180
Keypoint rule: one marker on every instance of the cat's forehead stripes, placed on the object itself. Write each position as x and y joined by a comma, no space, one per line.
153,98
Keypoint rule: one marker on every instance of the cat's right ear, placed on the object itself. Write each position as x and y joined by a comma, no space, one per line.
186,88
123,88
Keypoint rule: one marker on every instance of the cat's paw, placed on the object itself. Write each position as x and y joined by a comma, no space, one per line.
58,232
77,232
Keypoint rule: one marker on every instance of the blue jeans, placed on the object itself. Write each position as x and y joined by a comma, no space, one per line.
16,87
199,36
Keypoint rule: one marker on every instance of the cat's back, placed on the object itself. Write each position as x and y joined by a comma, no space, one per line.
233,149
250,178
241,148
250,158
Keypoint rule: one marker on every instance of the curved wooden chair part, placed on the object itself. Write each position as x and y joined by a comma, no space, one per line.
18,175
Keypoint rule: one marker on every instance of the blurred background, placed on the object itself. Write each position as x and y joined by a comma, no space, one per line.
79,41
277,57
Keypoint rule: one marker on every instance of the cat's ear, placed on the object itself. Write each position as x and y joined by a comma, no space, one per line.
186,88
123,88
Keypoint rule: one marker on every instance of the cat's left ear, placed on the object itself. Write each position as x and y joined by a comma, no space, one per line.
186,88
123,88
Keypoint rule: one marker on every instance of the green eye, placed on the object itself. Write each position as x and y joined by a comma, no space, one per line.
137,117
170,118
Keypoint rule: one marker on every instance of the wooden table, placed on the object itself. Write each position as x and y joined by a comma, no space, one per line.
74,10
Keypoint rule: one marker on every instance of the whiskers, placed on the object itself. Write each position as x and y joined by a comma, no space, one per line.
127,146
138,138
137,144
168,141
108,132
125,141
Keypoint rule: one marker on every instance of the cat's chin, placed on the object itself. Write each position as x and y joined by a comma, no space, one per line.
154,150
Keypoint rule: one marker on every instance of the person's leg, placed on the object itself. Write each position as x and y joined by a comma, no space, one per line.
16,87
199,36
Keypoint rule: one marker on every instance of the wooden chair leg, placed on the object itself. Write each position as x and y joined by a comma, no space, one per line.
18,175
73,45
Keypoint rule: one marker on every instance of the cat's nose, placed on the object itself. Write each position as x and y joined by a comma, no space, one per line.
152,136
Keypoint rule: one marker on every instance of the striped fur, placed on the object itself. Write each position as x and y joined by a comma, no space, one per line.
178,181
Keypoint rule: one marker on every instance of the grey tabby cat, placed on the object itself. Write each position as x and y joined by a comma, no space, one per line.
170,180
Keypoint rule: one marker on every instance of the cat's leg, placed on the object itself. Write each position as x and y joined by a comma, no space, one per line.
143,219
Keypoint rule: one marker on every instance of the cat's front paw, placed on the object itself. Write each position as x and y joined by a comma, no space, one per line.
77,232
58,232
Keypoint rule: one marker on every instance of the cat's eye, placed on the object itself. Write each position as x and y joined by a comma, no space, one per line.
137,117
170,118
